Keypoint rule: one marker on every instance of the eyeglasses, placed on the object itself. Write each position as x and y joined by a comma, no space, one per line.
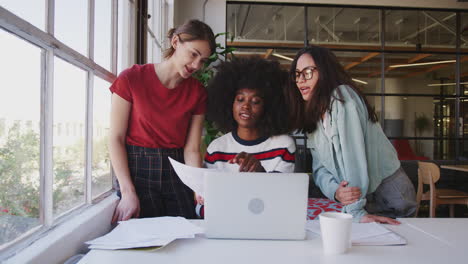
307,73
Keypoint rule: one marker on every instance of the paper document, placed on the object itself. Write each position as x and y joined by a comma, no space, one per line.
146,232
191,176
365,234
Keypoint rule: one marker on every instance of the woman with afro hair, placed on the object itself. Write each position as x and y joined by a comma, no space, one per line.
246,101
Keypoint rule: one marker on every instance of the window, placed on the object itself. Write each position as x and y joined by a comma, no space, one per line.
69,109
34,14
157,29
102,34
19,143
101,177
71,19
52,160
404,60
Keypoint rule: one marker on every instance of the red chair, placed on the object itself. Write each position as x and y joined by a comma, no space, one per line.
404,150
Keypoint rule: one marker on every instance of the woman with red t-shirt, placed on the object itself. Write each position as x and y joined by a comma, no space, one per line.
158,112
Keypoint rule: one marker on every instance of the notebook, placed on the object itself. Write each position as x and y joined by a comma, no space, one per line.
255,205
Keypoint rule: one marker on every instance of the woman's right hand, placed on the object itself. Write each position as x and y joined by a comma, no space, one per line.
247,162
128,207
347,195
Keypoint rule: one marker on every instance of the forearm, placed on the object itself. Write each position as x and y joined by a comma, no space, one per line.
118,155
193,158
326,182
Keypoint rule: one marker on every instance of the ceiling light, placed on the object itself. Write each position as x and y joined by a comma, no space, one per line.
421,64
445,84
282,57
359,81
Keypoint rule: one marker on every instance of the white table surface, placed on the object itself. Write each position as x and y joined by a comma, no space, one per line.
453,232
436,240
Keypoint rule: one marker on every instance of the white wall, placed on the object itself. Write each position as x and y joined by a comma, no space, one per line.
212,12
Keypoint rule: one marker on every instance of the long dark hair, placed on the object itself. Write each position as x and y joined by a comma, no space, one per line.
305,115
190,31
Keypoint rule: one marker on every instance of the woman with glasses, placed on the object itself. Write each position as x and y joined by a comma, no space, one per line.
158,112
353,161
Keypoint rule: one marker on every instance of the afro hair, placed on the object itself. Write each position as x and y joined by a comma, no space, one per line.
264,76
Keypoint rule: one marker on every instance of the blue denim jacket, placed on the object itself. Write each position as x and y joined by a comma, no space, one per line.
354,149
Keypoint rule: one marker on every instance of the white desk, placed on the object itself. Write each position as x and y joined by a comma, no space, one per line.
429,241
453,232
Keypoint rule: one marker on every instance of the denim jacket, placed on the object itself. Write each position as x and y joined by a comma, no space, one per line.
354,149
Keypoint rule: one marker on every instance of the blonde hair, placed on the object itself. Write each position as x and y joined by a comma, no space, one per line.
190,31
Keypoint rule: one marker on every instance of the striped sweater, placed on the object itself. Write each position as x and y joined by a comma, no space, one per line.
274,153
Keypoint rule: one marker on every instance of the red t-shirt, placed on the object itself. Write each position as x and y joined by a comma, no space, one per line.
159,117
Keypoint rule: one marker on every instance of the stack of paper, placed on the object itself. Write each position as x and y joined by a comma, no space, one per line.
146,232
365,234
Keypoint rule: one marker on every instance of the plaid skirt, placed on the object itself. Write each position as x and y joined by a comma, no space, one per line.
158,187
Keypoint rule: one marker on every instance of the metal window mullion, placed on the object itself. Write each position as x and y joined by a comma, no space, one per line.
89,106
306,26
458,125
91,16
114,35
89,137
382,69
47,125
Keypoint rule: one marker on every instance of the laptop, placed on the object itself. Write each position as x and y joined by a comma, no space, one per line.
255,205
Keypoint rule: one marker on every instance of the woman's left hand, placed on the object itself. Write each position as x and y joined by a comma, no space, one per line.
247,163
199,199
379,219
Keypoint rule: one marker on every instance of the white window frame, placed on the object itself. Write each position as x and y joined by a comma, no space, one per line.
54,48
159,24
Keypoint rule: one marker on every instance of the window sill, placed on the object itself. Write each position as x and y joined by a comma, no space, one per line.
67,239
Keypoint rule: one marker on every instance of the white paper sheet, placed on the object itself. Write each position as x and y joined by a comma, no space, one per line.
146,232
191,176
365,234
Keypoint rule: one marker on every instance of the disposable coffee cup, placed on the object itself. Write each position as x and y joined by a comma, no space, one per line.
336,232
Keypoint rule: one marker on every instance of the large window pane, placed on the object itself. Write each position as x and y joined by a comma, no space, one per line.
464,32
363,68
347,26
405,74
420,30
19,136
69,135
102,33
71,24
32,11
265,22
101,180
283,56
